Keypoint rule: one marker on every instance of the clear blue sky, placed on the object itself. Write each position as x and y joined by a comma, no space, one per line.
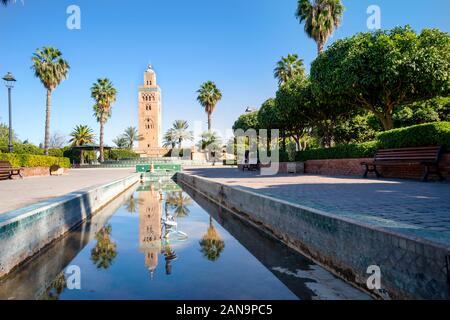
235,43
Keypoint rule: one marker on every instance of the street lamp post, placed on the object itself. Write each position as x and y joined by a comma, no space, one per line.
9,82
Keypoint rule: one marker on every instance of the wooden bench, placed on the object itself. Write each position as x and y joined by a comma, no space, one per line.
251,164
7,171
428,157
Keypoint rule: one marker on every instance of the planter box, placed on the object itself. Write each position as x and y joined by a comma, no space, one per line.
38,172
352,167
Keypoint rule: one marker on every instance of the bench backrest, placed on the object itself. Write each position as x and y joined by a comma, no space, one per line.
5,166
431,154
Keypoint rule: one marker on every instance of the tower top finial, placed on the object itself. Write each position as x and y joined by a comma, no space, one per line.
150,68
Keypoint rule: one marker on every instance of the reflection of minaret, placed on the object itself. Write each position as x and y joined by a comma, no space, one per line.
150,209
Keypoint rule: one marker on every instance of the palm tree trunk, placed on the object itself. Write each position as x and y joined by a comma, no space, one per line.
209,121
102,133
320,47
47,121
82,157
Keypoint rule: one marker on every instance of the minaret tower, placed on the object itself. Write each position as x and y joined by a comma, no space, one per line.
150,115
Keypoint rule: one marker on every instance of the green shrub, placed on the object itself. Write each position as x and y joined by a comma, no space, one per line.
21,148
32,161
347,151
119,154
56,152
430,134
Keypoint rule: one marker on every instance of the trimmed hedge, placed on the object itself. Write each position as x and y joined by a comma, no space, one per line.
21,148
348,151
32,161
430,134
119,154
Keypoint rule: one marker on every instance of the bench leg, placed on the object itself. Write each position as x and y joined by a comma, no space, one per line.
378,174
426,174
366,172
441,177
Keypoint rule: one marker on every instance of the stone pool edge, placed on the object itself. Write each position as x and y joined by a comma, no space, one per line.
411,268
26,231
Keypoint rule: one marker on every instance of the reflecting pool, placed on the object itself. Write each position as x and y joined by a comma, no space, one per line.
158,241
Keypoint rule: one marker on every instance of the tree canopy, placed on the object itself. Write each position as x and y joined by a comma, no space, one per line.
381,70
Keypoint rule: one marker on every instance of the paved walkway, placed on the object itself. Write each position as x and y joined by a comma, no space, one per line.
15,194
419,209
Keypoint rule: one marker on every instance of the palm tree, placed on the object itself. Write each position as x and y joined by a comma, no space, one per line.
169,139
288,68
51,69
212,244
181,133
321,17
211,143
121,142
104,93
104,253
82,135
208,96
131,135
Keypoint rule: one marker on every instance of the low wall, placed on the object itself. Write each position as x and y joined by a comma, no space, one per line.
411,268
36,172
352,167
26,231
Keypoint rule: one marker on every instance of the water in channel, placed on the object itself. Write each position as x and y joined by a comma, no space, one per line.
158,241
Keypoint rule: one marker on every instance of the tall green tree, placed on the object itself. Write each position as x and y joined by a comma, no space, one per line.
80,136
288,67
247,121
170,139
51,69
131,135
181,132
121,142
208,96
104,94
380,71
321,18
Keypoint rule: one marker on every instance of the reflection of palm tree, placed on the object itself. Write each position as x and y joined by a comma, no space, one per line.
169,256
55,289
179,203
131,204
105,251
212,244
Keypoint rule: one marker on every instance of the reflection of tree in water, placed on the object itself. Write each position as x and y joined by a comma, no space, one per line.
132,203
212,244
105,251
55,289
169,256
179,203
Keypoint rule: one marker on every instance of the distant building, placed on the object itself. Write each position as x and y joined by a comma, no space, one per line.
150,116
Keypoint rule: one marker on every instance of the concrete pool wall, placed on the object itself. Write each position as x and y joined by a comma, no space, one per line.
411,267
26,231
